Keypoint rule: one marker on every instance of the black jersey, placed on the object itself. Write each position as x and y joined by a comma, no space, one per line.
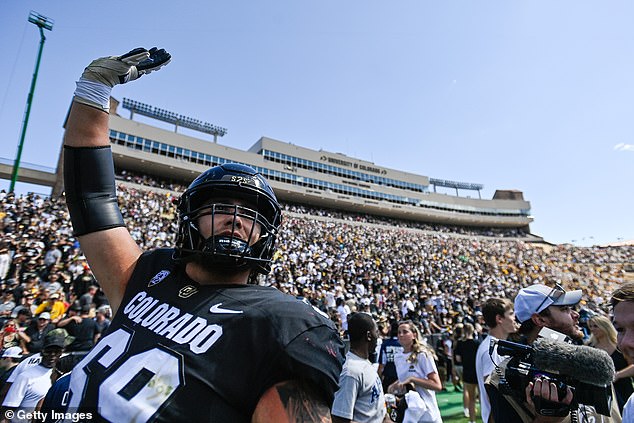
180,351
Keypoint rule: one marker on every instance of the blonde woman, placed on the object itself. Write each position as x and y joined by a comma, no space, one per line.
604,337
416,366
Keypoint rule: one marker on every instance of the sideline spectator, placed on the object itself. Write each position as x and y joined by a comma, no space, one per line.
415,365
444,359
102,319
56,399
10,336
360,394
5,261
499,316
82,282
604,337
622,303
389,347
10,359
344,310
22,318
465,354
52,256
7,305
32,384
33,336
81,327
536,307
24,364
456,372
87,298
53,305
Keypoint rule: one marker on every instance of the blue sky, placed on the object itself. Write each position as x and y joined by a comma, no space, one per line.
530,95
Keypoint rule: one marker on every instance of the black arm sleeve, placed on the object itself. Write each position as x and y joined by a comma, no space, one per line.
90,189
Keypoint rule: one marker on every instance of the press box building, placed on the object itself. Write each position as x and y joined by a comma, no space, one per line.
304,176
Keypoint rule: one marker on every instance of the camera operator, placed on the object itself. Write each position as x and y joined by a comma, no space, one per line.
622,303
538,307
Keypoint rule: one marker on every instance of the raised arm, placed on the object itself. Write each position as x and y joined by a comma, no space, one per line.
89,172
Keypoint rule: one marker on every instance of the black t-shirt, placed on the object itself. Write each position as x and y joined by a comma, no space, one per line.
179,351
82,282
85,300
83,332
4,375
37,337
18,293
623,387
102,326
389,347
467,351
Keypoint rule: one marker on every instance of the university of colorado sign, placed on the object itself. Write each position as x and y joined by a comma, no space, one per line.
353,165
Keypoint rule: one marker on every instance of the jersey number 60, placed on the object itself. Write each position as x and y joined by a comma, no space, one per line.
136,386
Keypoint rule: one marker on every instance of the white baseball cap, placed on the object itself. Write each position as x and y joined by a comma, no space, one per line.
538,297
12,352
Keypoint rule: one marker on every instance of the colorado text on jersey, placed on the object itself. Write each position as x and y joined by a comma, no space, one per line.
170,322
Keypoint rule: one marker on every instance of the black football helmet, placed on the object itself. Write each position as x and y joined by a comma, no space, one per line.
211,194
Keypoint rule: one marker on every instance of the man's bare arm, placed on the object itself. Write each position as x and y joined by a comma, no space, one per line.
88,175
111,253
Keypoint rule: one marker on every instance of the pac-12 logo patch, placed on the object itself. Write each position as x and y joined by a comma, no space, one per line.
187,291
158,277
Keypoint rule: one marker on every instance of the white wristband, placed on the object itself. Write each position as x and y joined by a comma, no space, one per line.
93,93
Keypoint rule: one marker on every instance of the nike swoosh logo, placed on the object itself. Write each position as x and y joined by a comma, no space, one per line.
216,309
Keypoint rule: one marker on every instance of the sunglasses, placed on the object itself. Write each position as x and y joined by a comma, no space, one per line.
554,295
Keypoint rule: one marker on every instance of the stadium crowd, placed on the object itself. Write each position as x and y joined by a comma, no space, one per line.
129,176
339,262
440,279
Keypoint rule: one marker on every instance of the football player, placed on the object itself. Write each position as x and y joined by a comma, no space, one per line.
191,339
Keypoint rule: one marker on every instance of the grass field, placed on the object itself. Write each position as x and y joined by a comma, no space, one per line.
450,404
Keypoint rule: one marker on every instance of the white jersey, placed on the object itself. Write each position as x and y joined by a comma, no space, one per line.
30,361
28,389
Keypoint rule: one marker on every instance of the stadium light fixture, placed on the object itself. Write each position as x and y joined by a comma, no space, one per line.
173,118
42,23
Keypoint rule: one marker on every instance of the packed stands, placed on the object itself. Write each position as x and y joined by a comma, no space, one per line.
372,264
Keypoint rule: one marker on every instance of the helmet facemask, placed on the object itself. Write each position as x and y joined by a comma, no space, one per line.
244,239
228,221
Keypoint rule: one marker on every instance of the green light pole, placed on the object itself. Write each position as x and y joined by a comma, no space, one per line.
42,23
